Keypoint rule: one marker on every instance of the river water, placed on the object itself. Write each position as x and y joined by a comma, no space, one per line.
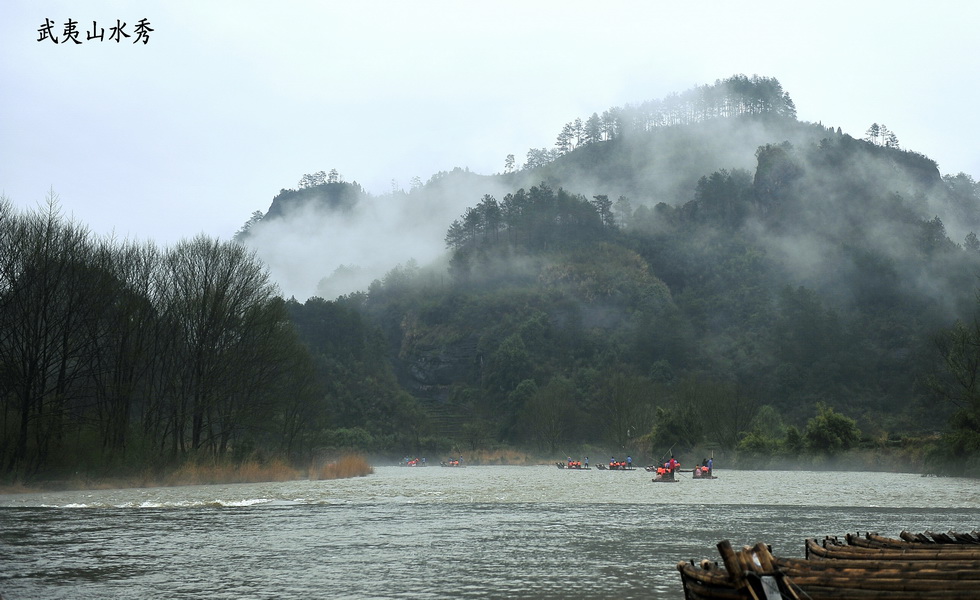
473,532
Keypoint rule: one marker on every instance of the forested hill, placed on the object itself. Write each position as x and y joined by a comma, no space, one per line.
691,270
699,272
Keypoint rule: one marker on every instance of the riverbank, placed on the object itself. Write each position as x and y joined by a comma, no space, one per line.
904,458
202,473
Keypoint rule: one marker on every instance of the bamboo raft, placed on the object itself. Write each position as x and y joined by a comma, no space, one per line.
574,466
950,568
833,549
929,539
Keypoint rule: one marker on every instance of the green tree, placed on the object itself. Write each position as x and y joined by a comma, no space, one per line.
593,129
566,139
678,427
512,407
603,206
626,405
768,422
611,123
722,198
578,130
776,175
623,210
793,443
254,220
756,445
957,382
963,198
972,243
873,134
412,419
456,236
549,415
492,217
933,238
509,364
830,432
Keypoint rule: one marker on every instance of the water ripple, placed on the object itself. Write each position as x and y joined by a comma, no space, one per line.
491,532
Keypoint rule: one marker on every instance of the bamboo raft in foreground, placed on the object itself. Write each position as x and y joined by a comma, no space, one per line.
941,538
943,571
832,549
926,540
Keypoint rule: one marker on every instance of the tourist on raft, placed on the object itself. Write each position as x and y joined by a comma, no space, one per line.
618,465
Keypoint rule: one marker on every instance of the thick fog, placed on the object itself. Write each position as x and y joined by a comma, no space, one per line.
870,208
315,250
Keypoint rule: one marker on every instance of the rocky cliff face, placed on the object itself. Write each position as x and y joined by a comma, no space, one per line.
429,371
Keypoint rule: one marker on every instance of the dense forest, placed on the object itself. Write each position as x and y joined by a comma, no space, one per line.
699,272
123,354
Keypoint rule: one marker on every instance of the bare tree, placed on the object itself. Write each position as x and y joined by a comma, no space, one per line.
43,313
212,295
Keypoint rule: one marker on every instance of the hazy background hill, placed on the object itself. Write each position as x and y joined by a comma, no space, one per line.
691,269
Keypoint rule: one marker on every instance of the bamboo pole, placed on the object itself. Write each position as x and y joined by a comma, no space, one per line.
735,570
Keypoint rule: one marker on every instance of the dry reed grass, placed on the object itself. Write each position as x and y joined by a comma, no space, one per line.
501,457
350,465
204,473
251,471
16,487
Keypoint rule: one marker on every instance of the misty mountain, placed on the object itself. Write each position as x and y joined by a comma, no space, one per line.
333,238
681,262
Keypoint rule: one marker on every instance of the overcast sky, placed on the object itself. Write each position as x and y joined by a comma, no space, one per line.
230,101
